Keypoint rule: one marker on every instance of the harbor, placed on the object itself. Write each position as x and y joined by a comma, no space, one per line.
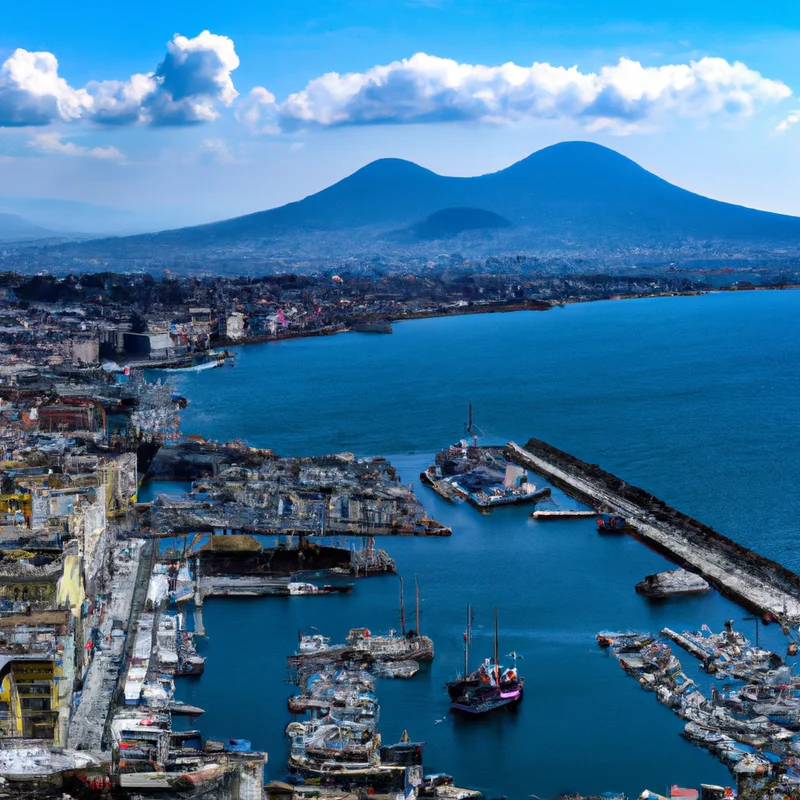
192,626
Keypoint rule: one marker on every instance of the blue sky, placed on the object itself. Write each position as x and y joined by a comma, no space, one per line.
145,112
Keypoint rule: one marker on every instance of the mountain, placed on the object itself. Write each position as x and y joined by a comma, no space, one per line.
571,198
14,228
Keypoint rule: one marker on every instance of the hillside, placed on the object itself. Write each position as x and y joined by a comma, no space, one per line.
571,198
451,222
14,228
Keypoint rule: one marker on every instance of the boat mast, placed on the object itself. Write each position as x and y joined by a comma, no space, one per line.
496,650
467,637
416,585
471,428
402,609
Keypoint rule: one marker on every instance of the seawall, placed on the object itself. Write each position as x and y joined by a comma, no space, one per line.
746,577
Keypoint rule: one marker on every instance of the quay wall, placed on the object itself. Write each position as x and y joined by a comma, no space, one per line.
746,577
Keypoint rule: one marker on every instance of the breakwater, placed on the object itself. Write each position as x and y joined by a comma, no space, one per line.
744,576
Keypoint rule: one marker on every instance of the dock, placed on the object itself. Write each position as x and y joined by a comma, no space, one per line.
564,514
689,645
753,581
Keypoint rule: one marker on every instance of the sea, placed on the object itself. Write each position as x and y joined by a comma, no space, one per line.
695,399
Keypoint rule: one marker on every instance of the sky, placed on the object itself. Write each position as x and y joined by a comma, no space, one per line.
179,112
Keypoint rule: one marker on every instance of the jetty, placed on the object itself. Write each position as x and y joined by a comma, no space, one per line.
563,514
746,577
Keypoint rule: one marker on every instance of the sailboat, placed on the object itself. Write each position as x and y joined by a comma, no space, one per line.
410,644
468,680
490,686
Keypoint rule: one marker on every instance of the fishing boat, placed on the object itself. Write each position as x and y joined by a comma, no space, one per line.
490,686
311,644
612,523
407,645
468,680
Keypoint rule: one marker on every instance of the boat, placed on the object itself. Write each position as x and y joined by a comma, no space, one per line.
624,642
612,523
409,645
310,644
189,662
490,687
299,588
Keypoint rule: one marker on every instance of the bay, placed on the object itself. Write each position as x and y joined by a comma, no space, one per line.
694,399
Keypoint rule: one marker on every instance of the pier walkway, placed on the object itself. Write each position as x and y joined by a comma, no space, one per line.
746,577
88,723
565,513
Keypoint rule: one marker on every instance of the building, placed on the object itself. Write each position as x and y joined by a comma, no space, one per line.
149,345
85,349
235,325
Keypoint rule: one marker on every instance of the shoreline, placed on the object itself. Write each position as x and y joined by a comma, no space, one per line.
496,308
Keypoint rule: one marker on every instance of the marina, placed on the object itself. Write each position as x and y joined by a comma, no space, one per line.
624,561
195,627
750,723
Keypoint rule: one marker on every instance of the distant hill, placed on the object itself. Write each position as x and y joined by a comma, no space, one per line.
454,221
14,228
571,198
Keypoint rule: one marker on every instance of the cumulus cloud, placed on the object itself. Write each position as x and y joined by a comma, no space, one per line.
258,111
121,102
792,118
53,143
32,93
624,96
194,77
188,87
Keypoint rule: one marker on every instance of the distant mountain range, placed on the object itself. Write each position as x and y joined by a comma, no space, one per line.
14,228
571,198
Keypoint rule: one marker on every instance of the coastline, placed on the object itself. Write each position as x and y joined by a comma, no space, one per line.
488,308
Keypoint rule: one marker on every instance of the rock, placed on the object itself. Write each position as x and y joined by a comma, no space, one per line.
664,584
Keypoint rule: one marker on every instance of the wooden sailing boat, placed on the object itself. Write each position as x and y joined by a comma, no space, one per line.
468,680
490,686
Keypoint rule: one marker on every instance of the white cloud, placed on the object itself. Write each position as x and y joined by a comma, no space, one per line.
53,143
193,78
32,93
121,102
214,151
188,87
792,118
258,111
625,96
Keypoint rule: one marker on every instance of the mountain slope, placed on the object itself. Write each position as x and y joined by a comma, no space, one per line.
14,228
571,197
454,221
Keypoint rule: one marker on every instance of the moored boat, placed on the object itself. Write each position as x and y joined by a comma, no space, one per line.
490,686
612,523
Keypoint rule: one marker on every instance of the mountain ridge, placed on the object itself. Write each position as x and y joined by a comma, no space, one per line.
571,197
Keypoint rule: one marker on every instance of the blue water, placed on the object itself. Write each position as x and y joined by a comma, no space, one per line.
694,399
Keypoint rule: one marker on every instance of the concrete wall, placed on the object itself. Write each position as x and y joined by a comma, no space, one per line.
85,351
